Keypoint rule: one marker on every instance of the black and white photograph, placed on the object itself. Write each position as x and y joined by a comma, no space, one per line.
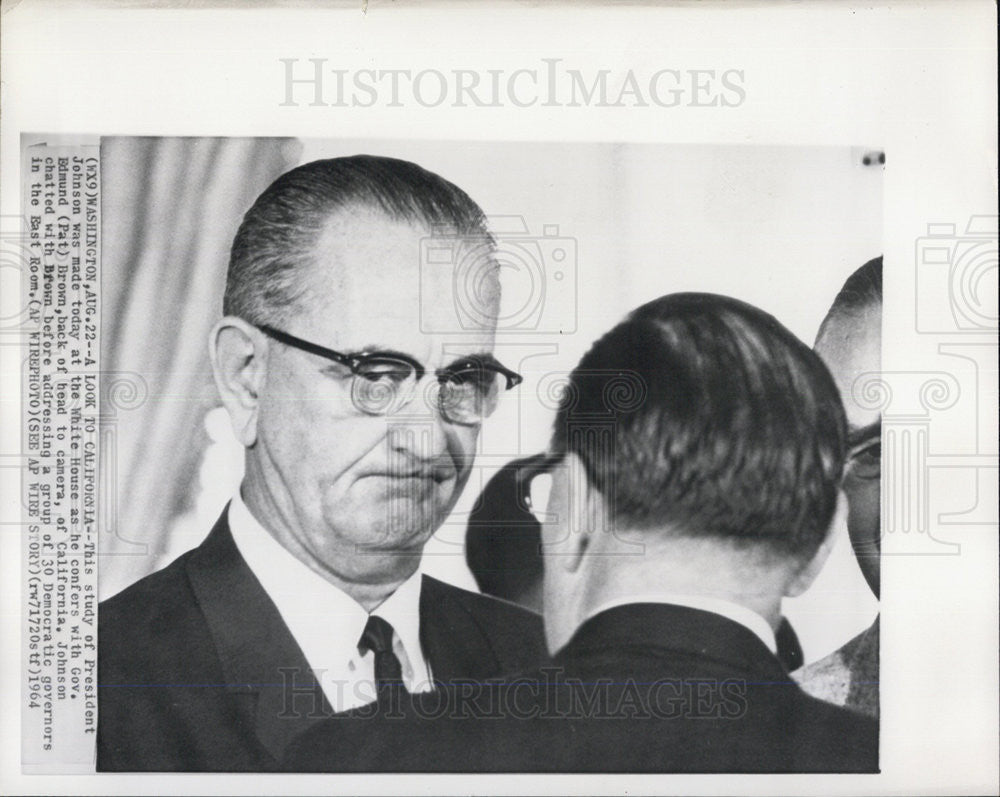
581,405
424,435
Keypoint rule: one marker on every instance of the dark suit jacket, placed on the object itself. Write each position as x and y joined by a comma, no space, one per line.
197,671
639,688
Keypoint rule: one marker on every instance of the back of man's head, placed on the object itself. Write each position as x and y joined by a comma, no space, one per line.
702,417
277,238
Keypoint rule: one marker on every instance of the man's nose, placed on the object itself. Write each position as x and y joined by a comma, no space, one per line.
422,438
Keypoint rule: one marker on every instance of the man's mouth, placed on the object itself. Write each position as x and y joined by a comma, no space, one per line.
436,475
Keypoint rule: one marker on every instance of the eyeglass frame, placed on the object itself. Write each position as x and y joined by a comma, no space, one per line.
354,361
860,443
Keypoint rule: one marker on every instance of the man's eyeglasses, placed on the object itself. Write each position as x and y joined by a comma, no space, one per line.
865,461
384,382
864,456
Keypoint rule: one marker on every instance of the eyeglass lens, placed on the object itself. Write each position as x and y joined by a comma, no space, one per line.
384,386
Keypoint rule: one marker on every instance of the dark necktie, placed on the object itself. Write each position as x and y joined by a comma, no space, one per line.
789,649
377,637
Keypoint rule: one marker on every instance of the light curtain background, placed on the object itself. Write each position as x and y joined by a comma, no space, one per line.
780,227
170,207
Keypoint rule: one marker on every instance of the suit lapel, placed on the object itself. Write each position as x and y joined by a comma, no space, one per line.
266,672
453,642
260,658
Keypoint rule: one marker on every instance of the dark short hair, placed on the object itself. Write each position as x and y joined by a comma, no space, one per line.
279,232
703,414
861,291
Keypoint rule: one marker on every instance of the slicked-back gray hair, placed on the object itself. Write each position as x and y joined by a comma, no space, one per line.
279,233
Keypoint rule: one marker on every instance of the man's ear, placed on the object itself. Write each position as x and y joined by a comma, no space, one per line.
586,520
238,353
804,578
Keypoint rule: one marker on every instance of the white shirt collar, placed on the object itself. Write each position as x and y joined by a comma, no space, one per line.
325,621
732,611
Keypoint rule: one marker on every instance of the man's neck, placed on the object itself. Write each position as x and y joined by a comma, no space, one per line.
754,614
692,568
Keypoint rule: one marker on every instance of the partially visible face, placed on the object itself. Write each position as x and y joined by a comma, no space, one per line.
850,347
361,493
